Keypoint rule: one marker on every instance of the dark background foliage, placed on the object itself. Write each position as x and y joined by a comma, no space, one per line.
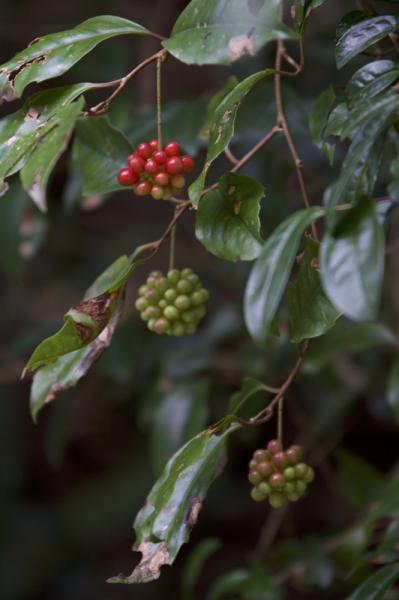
72,485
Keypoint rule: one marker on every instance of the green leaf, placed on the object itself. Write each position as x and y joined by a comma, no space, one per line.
393,390
271,271
220,32
360,36
214,102
37,170
246,584
352,263
227,222
250,387
195,563
164,523
311,313
67,370
372,79
84,322
12,206
182,413
222,127
360,482
374,587
350,337
318,119
54,54
99,151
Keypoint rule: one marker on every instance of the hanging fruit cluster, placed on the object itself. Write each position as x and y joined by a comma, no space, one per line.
279,476
156,171
172,304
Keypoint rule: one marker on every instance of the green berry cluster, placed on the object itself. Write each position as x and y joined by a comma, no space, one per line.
279,476
172,303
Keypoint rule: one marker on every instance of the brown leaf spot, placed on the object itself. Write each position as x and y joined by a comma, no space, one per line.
231,190
98,308
315,264
237,208
193,509
154,556
239,46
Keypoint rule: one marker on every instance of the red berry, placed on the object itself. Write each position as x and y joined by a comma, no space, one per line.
153,144
172,149
265,468
276,480
280,460
157,192
188,163
151,166
274,446
136,163
178,181
159,156
143,188
174,165
144,150
161,179
127,177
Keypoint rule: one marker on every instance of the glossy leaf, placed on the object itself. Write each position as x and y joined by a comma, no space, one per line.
164,523
181,414
54,54
352,264
376,585
67,370
271,271
393,390
216,32
99,151
372,79
311,313
362,35
36,172
227,222
318,119
222,127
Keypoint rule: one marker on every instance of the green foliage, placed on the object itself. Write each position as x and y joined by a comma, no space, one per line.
376,585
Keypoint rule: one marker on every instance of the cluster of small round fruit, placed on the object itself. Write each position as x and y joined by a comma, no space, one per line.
279,476
156,171
172,304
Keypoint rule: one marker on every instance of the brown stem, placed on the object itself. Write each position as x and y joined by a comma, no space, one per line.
103,106
283,124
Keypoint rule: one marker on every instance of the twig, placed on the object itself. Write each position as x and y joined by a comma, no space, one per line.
103,106
230,156
155,245
283,123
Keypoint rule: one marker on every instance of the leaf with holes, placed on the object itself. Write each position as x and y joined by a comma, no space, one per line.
227,221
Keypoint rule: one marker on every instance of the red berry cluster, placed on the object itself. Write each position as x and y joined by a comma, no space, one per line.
278,475
156,171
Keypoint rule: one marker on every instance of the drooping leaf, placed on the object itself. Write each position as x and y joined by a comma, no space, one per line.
164,523
54,54
362,35
36,172
227,222
393,390
376,585
311,313
65,371
271,271
181,414
372,79
318,119
219,32
99,151
222,127
352,263
85,321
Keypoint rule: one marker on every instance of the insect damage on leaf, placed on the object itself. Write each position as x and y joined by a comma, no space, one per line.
7,94
241,45
98,309
193,511
154,556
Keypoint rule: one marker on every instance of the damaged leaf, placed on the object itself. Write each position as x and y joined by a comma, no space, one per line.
220,32
227,221
164,523
67,370
221,127
54,54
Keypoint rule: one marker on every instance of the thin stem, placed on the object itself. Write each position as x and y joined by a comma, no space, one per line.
159,102
172,248
280,421
283,124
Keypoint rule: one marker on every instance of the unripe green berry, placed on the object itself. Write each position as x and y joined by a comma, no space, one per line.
151,324
254,477
184,286
189,316
264,488
289,473
142,290
173,275
276,500
293,497
309,475
300,470
199,312
186,271
178,329
257,495
141,303
171,313
161,325
170,295
197,298
190,327
300,486
162,284
182,302
163,303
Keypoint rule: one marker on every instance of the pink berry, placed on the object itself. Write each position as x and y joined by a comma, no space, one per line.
188,163
172,149
161,179
143,188
174,165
